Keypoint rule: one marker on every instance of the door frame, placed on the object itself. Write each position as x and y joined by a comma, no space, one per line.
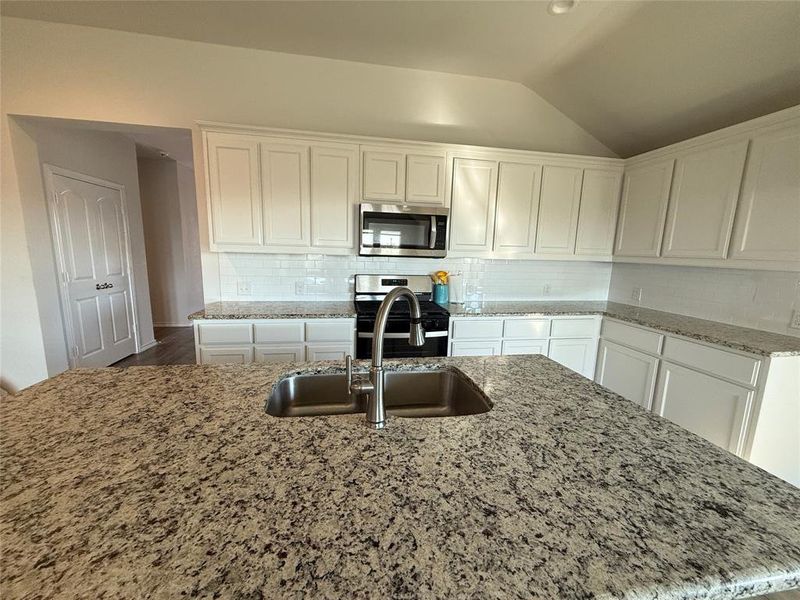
58,251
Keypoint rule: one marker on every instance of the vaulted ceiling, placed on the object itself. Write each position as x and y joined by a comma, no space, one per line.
636,74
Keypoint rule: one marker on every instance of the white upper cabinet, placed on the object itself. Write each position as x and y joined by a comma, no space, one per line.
643,209
768,219
597,220
518,186
334,195
473,205
384,176
702,202
284,185
398,174
425,179
234,190
558,210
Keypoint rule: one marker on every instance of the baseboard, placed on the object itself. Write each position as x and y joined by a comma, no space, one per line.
147,346
172,324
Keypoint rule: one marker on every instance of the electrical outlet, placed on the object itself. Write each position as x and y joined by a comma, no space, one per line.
546,289
244,287
795,322
636,295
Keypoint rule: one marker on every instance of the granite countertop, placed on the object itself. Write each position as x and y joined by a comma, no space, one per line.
172,481
763,343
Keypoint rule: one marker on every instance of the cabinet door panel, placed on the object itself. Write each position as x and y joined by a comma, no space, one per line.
525,347
333,195
234,189
712,408
473,205
517,209
597,218
328,351
425,179
768,218
284,184
279,353
704,192
578,355
643,209
558,210
629,373
384,175
240,355
489,348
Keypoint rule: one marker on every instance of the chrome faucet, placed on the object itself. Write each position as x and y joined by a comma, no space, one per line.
376,412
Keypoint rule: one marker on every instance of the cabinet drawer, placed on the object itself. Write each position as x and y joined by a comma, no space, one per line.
478,329
526,328
634,337
224,333
736,367
329,331
573,327
525,347
282,331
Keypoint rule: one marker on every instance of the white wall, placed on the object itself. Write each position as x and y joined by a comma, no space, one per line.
73,72
170,224
758,299
318,277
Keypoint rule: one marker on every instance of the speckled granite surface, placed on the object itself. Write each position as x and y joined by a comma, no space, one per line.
274,310
162,482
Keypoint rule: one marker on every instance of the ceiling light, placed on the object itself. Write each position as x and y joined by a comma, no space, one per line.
561,7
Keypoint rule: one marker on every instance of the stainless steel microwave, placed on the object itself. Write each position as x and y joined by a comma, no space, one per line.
403,230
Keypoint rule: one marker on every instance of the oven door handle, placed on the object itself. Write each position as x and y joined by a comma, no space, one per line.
432,245
400,336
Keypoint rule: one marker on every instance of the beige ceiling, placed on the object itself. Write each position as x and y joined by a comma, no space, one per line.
636,74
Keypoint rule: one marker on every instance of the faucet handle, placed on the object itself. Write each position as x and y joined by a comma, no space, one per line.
348,363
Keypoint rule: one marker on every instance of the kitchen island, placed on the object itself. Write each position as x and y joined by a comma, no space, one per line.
173,481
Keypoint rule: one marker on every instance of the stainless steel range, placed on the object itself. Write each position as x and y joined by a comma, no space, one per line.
370,291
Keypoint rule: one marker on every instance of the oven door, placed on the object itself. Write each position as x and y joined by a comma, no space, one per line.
403,230
395,340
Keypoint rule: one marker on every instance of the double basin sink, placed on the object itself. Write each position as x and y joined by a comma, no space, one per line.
431,393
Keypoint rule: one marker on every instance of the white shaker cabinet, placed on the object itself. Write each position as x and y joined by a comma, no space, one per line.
334,195
284,185
473,205
476,348
768,218
597,219
702,202
712,408
237,355
575,354
628,372
234,190
425,179
558,210
643,209
518,186
384,175
399,174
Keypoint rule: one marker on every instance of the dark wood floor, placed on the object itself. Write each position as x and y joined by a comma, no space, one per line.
175,347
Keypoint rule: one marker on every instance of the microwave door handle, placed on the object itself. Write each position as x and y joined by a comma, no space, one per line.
432,245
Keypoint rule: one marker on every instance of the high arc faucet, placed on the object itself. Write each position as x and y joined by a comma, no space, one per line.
376,411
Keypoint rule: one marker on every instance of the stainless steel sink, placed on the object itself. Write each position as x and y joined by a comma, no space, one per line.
434,393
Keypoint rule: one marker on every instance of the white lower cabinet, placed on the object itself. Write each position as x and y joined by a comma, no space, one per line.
525,346
240,355
710,407
628,372
476,348
243,341
575,354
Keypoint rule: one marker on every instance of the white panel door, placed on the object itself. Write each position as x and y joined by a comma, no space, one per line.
425,179
487,348
643,209
768,218
558,210
234,190
472,208
334,194
384,176
518,186
284,185
279,353
629,373
597,219
578,355
702,201
92,238
710,407
328,351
